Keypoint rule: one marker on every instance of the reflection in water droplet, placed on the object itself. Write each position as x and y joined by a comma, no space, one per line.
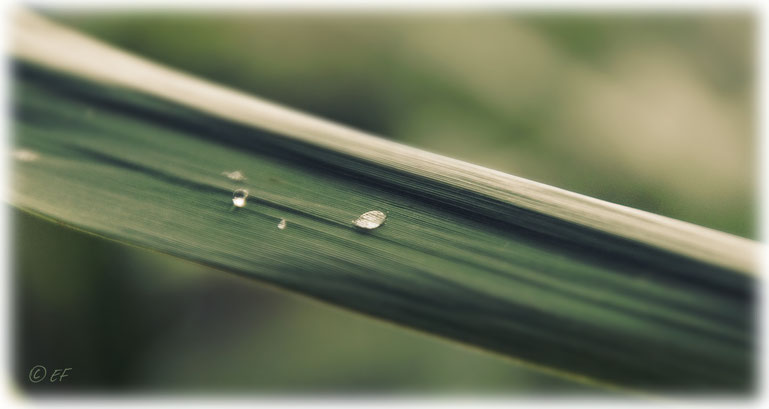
282,224
370,220
25,155
239,197
237,175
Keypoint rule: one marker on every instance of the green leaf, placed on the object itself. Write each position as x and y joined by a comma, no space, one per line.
123,149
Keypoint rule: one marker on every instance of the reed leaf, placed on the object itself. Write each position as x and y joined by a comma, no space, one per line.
123,148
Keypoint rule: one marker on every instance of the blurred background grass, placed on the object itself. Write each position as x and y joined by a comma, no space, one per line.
651,111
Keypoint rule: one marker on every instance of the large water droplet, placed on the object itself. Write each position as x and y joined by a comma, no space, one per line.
239,197
370,220
282,224
236,175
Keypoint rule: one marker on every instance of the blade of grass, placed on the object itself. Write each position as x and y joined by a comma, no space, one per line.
135,152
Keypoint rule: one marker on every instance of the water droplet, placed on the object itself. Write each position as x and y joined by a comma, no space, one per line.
237,175
25,155
370,220
282,224
239,197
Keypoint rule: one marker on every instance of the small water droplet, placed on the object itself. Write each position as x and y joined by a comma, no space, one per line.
25,155
282,224
237,175
239,197
370,220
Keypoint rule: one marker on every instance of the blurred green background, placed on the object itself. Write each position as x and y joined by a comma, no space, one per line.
652,111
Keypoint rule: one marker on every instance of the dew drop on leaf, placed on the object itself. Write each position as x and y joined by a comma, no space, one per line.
239,197
370,220
25,155
236,175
